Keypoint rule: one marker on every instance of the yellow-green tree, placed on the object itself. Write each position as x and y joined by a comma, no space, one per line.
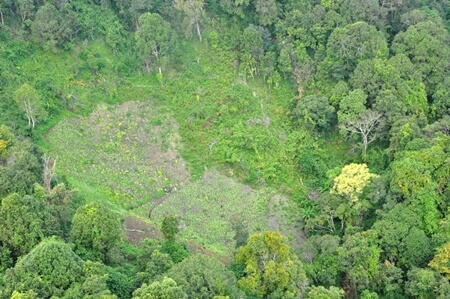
5,141
28,295
271,269
441,261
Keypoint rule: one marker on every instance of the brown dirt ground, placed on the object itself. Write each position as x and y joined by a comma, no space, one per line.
137,229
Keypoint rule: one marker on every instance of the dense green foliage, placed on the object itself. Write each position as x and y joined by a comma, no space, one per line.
49,269
52,269
204,277
271,270
166,289
95,231
328,121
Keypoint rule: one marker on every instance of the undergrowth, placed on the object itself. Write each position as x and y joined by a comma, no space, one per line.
162,131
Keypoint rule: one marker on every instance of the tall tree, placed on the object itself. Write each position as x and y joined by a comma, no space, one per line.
93,283
427,45
415,178
53,27
391,107
373,76
271,269
441,260
403,131
22,168
154,38
352,180
426,284
359,257
62,203
169,227
49,270
27,99
350,184
355,119
25,8
193,9
349,45
204,277
352,106
318,253
370,11
365,126
49,171
267,11
95,231
53,270
165,289
314,112
26,220
251,42
441,104
235,7
138,8
402,238
3,7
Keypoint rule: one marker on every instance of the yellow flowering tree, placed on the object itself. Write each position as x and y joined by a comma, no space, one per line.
349,185
352,180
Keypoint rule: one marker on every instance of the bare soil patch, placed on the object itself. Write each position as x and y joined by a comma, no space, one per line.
137,229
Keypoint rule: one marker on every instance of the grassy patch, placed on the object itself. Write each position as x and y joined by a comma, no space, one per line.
118,153
208,208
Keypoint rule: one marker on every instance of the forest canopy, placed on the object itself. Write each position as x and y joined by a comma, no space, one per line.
224,149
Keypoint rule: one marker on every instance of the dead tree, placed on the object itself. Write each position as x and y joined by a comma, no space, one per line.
365,126
49,171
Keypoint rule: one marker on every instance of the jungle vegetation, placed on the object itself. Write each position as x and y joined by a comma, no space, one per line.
224,149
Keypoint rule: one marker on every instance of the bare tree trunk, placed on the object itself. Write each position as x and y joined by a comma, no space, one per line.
49,172
29,112
365,143
1,16
199,32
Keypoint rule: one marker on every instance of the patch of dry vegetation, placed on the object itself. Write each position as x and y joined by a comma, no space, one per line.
129,152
